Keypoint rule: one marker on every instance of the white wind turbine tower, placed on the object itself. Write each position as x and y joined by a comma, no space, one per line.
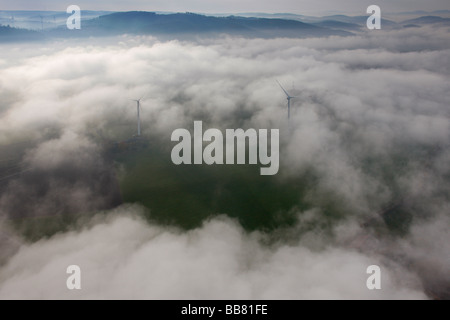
138,102
42,22
289,97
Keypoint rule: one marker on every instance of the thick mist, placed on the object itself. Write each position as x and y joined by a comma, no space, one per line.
126,259
371,124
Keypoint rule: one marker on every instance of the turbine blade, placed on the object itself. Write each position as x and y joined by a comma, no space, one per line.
287,94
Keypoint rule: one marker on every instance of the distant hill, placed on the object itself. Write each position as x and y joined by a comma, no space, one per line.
38,20
359,20
411,26
190,24
9,34
332,24
429,20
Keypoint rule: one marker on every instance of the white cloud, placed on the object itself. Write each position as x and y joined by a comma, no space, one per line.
371,119
124,258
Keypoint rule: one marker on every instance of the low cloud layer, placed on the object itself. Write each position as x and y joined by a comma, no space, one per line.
371,123
123,258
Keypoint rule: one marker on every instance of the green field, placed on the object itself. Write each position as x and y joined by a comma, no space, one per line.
187,195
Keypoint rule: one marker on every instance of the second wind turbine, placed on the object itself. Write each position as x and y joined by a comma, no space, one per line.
138,102
289,97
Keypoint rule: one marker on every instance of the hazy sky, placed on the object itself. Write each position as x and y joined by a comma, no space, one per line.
293,6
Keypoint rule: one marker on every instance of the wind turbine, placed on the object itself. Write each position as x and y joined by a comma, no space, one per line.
42,22
138,102
289,97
